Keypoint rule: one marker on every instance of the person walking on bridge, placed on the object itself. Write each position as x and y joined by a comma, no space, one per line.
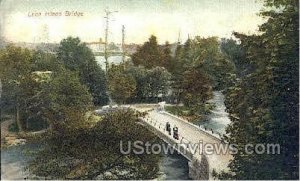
168,128
175,133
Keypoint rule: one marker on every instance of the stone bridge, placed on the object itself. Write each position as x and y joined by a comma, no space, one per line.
192,139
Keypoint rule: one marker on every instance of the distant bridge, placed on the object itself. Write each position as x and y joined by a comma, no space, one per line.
201,165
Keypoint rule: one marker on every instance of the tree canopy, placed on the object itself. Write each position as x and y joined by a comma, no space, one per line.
90,152
138,84
263,105
151,55
122,86
76,56
38,87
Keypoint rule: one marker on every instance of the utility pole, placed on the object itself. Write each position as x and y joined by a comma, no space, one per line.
123,44
100,41
107,14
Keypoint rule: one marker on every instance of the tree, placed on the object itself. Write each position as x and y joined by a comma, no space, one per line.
15,67
142,82
151,84
46,62
76,56
203,49
95,79
64,102
39,88
159,82
121,85
203,53
234,52
182,60
31,88
148,55
204,56
63,157
196,89
57,98
166,56
177,69
221,71
263,106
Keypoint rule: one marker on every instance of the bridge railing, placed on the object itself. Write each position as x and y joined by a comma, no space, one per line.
204,128
210,132
184,146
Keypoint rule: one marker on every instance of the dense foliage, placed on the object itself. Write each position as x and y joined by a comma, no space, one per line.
196,89
198,68
76,56
138,84
121,85
90,152
235,53
263,105
15,68
150,54
38,88
152,84
205,55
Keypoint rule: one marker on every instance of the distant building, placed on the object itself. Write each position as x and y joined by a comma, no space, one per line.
99,46
96,46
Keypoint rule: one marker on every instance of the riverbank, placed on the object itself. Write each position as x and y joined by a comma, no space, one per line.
218,119
187,114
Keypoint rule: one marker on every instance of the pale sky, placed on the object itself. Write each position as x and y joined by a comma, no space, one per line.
163,18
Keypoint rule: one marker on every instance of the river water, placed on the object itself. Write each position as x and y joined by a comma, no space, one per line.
174,167
15,159
218,120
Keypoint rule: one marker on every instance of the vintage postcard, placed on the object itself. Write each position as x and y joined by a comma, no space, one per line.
149,89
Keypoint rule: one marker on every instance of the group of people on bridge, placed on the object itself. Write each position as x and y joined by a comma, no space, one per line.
175,131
